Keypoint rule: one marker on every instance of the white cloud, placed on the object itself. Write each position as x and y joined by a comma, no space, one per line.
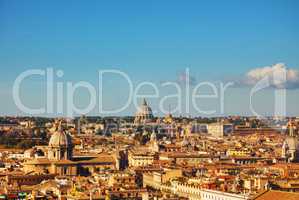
279,76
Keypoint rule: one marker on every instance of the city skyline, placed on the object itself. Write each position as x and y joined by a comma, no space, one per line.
149,100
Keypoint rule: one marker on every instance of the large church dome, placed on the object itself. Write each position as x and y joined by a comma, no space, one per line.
60,139
144,110
144,113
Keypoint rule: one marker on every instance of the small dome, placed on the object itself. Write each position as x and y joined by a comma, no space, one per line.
60,139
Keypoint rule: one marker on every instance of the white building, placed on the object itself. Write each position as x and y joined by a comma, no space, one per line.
220,129
191,191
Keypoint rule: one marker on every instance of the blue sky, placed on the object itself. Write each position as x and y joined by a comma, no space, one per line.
148,40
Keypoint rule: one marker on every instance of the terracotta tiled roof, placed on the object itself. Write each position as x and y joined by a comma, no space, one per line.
99,159
38,161
277,195
292,166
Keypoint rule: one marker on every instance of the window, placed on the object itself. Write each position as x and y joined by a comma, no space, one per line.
65,170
